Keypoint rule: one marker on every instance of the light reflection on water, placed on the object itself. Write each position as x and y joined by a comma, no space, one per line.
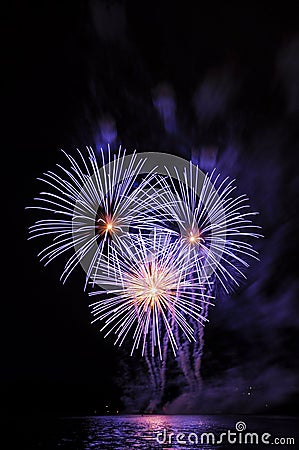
140,432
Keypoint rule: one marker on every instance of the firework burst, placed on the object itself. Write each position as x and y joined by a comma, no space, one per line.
96,203
157,242
150,290
211,223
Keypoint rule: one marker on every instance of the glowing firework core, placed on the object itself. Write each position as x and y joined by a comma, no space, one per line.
150,285
194,238
109,227
106,225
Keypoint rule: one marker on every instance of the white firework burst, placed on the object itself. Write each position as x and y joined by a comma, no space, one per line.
95,203
149,289
211,222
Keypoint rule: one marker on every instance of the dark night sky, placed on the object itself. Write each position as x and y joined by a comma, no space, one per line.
65,71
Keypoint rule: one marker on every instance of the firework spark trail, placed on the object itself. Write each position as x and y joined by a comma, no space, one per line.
198,348
96,203
156,393
183,359
190,358
157,370
190,354
149,283
152,375
163,363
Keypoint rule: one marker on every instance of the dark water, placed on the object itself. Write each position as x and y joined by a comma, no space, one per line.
152,432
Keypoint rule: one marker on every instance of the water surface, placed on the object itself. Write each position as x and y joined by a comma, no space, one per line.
130,432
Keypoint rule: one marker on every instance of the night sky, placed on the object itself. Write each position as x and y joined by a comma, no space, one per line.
233,72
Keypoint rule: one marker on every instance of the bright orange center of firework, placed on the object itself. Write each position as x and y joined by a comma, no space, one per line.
194,238
105,225
151,286
109,227
153,295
